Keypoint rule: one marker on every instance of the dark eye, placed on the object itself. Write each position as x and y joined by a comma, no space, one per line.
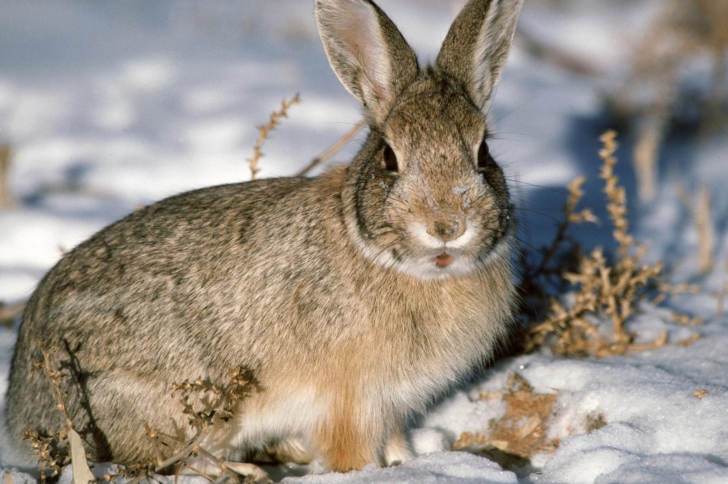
484,158
390,160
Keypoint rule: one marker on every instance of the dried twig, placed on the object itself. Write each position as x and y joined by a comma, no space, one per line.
561,253
720,296
333,148
265,130
706,235
204,403
701,214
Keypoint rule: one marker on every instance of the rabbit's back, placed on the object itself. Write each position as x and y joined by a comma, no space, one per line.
189,287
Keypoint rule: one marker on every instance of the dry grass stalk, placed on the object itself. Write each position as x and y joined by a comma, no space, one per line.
720,296
685,320
616,195
706,235
700,394
601,290
6,197
485,396
265,131
692,339
521,431
330,151
645,154
701,214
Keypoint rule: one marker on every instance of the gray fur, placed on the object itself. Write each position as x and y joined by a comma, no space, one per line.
325,288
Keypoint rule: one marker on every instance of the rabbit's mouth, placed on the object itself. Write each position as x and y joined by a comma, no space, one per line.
444,260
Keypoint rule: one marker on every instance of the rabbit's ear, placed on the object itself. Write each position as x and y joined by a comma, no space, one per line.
477,45
367,53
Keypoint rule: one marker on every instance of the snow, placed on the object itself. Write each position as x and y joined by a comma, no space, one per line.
114,105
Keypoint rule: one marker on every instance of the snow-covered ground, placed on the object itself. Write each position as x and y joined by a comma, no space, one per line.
111,105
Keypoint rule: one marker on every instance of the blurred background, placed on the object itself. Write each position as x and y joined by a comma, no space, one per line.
108,105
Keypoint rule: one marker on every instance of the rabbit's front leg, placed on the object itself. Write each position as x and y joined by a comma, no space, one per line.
348,438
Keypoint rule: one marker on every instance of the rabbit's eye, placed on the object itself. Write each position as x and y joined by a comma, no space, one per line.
484,158
390,160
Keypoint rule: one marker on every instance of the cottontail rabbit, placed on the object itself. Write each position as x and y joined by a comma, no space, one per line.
354,298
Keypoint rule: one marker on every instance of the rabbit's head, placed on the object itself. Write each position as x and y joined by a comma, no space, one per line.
424,196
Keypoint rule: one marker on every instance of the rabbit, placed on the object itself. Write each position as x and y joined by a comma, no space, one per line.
355,298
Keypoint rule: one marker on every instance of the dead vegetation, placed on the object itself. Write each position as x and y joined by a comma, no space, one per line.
204,403
599,289
520,433
700,209
53,448
265,131
594,422
330,151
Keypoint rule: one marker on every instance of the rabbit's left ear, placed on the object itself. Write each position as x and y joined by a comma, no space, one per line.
367,52
477,45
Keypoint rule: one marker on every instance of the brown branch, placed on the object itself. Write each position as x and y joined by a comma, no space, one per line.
219,406
333,148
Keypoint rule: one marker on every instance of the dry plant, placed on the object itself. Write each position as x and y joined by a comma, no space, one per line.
205,404
6,197
57,449
521,432
329,152
701,214
265,131
654,90
720,297
594,422
600,289
706,235
275,120
542,279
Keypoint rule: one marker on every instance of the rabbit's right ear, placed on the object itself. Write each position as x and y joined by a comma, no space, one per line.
367,52
477,45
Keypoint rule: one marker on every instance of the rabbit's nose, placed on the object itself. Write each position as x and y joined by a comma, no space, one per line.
446,230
